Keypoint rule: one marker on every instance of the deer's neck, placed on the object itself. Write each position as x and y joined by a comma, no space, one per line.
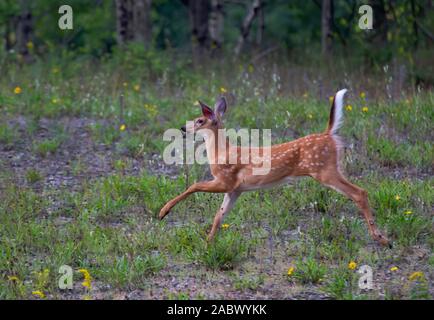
217,146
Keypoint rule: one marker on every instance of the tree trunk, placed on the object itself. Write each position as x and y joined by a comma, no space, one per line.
124,19
133,21
261,26
216,21
380,23
199,16
326,35
24,31
247,24
10,25
142,21
415,28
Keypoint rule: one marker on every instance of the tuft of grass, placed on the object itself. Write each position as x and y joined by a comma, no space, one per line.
46,147
223,253
392,154
408,229
33,176
106,134
133,146
309,271
182,295
7,135
341,284
250,282
133,272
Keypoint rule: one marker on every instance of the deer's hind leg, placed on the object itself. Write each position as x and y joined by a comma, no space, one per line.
336,181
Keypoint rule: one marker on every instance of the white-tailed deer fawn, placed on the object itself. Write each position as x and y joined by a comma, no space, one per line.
315,155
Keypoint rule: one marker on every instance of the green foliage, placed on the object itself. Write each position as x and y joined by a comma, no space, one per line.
7,135
309,270
224,252
295,25
33,176
342,284
126,272
248,282
46,146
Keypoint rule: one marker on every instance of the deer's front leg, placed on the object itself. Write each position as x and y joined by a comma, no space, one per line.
227,205
206,186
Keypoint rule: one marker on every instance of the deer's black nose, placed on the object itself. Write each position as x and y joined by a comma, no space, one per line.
183,128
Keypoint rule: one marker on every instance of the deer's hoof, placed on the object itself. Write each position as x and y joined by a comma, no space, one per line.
382,239
163,213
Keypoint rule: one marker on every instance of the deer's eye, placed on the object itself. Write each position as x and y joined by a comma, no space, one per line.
199,121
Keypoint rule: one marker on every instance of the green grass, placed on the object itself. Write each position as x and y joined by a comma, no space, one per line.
342,284
107,223
7,135
309,271
33,176
124,272
46,147
248,282
223,253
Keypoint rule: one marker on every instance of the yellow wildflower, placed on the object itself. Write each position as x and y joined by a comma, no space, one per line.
225,226
136,87
310,116
251,68
55,70
397,197
87,279
365,109
39,293
125,84
122,127
416,275
305,95
151,108
196,103
362,95
394,269
87,284
349,107
87,297
352,265
54,100
17,90
331,98
13,278
290,271
408,212
29,45
223,90
85,273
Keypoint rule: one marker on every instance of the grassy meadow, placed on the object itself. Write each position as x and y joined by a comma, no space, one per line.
82,181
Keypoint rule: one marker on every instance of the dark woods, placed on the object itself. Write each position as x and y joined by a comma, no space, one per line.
302,32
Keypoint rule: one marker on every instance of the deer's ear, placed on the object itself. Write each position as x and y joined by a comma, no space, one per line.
220,106
207,111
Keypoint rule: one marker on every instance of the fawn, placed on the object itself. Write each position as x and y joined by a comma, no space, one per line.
315,155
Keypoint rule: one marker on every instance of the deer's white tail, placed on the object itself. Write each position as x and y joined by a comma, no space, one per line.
336,114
